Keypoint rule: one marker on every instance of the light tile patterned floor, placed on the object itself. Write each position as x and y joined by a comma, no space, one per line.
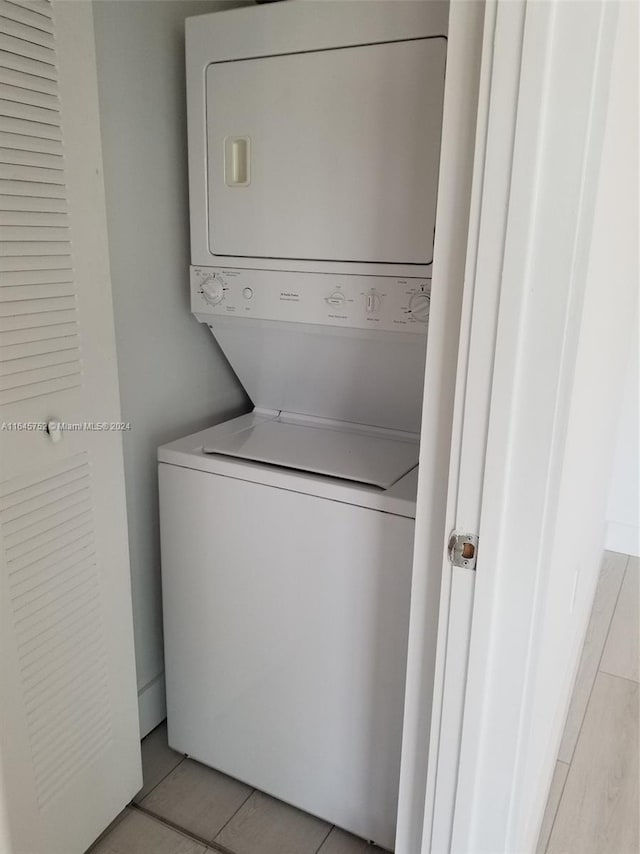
138,833
158,760
593,805
268,826
186,808
197,798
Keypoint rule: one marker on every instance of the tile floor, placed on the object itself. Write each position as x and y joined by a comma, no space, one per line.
593,805
186,808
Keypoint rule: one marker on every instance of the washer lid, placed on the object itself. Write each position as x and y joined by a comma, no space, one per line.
347,454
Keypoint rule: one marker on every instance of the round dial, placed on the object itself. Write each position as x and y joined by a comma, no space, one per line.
419,305
212,290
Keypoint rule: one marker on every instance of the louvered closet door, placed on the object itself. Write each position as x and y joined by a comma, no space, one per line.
69,747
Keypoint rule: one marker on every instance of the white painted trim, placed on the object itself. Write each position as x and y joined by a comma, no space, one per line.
456,171
560,116
623,510
491,185
152,704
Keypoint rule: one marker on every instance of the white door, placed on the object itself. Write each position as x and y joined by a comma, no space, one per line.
69,743
307,152
548,297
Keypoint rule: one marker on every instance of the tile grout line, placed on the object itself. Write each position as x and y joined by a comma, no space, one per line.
604,645
108,830
618,676
328,834
233,815
212,846
586,708
155,786
557,809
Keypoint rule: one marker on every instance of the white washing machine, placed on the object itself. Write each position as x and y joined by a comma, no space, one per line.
287,533
286,604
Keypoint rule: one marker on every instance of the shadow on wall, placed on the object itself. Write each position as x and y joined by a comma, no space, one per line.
173,378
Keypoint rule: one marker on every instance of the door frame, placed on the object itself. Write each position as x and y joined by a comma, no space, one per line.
535,116
444,382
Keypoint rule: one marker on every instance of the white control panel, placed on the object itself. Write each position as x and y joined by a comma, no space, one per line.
361,302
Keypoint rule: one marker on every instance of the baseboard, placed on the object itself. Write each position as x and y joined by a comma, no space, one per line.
623,538
152,705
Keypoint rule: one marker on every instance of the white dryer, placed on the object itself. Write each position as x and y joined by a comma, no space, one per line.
287,533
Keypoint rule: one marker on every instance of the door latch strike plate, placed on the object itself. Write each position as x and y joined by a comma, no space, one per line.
463,550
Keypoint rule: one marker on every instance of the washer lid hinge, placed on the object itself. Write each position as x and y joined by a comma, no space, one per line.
463,549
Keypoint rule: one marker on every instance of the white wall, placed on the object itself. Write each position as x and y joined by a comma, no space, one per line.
623,512
173,377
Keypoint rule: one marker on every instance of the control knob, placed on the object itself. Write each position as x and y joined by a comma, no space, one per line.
212,290
419,305
337,298
372,303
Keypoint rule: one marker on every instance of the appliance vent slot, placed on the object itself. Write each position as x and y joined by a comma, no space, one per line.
39,343
55,594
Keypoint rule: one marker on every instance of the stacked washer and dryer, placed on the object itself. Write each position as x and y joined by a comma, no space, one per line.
287,533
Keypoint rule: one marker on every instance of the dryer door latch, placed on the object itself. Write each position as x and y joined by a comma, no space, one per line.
463,550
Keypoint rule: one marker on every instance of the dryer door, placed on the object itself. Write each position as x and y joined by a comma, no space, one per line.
329,155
